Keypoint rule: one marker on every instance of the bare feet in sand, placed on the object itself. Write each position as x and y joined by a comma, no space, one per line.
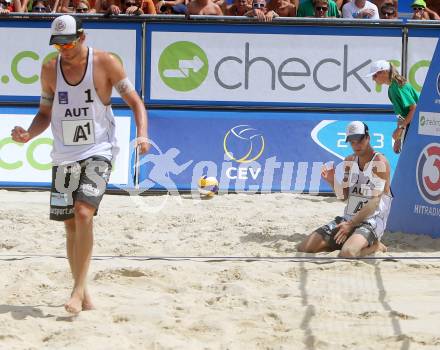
87,303
74,304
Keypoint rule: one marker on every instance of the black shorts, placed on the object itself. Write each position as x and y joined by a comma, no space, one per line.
329,231
85,180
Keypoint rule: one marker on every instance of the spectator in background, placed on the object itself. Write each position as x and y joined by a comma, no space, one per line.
132,7
261,12
6,6
380,3
388,11
360,9
167,9
239,8
321,8
204,7
307,9
165,5
282,8
83,7
116,7
40,6
421,12
70,6
433,5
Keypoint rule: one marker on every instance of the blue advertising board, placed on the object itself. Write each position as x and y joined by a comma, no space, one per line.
251,151
416,183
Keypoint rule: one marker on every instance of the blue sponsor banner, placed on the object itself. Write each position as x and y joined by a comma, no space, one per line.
416,184
252,151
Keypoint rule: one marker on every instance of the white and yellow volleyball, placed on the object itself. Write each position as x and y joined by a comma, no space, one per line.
208,186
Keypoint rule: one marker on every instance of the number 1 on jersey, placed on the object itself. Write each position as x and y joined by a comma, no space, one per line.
88,92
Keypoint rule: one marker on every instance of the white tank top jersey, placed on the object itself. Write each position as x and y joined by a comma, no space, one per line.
362,183
82,126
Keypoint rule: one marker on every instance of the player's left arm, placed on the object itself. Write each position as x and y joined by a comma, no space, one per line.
381,180
126,90
405,122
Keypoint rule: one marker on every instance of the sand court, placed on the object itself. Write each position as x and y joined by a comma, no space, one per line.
279,300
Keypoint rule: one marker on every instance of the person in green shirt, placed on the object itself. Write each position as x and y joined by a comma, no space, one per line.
307,9
402,95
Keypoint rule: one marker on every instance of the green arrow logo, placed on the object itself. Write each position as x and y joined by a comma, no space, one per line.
183,66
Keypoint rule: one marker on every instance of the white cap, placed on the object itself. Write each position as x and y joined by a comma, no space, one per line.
378,66
65,29
356,130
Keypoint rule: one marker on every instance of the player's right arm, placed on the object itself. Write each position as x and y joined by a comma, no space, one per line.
42,119
340,189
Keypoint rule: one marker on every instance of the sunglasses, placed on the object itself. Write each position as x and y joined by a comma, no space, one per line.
259,5
418,8
82,9
321,8
67,46
130,4
39,9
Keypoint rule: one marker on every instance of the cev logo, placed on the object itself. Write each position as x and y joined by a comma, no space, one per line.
428,173
183,66
246,141
422,120
33,145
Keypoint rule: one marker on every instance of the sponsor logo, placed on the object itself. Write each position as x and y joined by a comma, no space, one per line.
248,144
183,66
63,98
429,124
428,173
60,26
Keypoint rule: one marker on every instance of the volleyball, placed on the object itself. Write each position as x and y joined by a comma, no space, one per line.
208,186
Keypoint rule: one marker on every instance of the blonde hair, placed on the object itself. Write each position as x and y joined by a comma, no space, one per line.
394,75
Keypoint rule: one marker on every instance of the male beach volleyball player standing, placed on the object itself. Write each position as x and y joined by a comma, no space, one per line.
366,187
75,101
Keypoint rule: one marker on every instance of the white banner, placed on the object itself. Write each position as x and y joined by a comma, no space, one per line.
31,162
23,51
271,68
420,52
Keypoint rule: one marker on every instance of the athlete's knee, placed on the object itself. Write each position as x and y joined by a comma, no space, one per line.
312,244
349,252
84,212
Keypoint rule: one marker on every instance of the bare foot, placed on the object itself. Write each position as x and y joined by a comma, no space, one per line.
74,305
87,303
382,248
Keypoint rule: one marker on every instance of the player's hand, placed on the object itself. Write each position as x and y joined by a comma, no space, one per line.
114,10
397,133
18,134
143,145
134,10
344,230
328,173
397,146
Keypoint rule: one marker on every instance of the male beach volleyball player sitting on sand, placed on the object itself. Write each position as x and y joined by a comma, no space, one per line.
366,187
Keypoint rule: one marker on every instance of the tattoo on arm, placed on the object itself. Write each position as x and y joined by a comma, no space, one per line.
46,99
124,86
